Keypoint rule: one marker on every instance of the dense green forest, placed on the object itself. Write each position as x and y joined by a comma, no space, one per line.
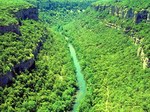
49,87
115,80
137,4
105,70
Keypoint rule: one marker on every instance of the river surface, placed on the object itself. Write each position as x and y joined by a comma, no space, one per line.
80,79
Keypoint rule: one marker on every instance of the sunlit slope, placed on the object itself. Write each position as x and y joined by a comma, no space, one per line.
135,4
17,49
132,17
113,72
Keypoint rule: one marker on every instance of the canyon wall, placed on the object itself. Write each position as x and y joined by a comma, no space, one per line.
22,66
126,13
30,13
23,14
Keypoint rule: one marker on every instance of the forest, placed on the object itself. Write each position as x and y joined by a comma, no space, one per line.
74,56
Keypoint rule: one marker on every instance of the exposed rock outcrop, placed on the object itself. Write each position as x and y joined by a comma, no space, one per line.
124,12
22,66
146,63
6,78
140,16
10,28
128,14
148,17
144,59
112,10
30,13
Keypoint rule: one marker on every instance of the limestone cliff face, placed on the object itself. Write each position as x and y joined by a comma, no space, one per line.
10,28
129,14
22,66
26,65
144,59
6,78
141,15
30,13
124,12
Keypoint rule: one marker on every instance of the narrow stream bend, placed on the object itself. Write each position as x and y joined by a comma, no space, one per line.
81,82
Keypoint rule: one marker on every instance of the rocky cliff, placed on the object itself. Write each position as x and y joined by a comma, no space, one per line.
21,14
22,66
26,65
124,13
30,13
10,28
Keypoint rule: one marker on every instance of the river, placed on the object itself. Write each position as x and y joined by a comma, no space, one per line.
80,79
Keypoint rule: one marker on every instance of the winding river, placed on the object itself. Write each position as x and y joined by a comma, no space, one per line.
80,78
81,82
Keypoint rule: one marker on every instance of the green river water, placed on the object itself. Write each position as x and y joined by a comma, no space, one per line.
80,79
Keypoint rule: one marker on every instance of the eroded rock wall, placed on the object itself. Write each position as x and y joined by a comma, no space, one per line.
22,66
126,13
10,28
30,13
129,14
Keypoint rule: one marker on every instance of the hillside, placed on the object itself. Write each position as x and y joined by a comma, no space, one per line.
74,55
131,17
113,72
36,74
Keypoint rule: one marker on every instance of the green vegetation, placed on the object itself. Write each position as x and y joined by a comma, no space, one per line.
51,84
140,31
136,31
8,8
17,48
114,75
135,4
55,18
50,87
